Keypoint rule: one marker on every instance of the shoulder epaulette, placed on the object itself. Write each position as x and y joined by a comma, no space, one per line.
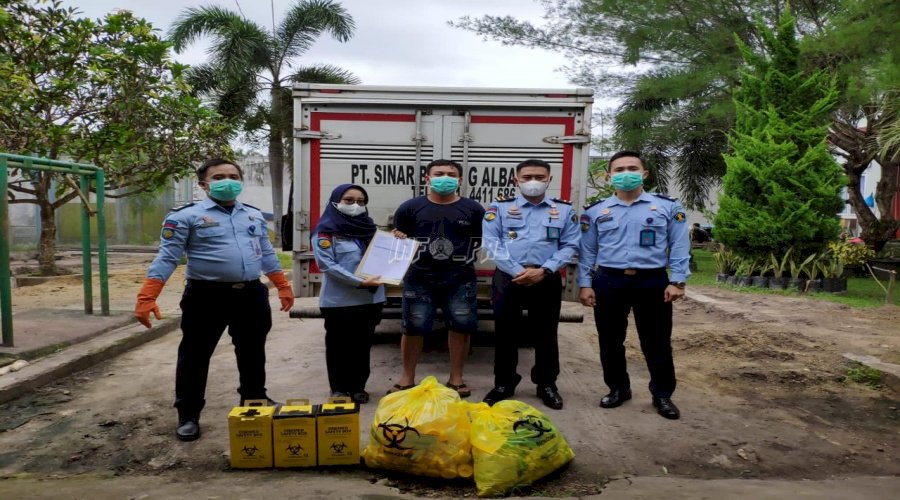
251,206
182,207
665,197
503,199
601,200
560,200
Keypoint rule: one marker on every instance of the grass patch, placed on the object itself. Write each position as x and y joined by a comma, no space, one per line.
861,292
286,259
706,268
862,374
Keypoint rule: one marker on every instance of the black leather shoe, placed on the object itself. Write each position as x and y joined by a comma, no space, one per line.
270,402
550,397
666,408
188,429
615,398
360,398
499,393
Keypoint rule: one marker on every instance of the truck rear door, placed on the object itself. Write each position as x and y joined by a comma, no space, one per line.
384,147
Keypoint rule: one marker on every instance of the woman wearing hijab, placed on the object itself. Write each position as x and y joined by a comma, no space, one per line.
350,305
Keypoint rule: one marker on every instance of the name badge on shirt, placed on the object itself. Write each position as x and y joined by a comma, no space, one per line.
209,222
552,233
648,238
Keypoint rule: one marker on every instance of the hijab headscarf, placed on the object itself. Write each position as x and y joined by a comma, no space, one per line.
333,221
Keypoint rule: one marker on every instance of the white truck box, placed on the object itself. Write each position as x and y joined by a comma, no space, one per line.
381,137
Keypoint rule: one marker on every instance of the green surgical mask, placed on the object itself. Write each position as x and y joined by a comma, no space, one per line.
627,181
444,185
225,189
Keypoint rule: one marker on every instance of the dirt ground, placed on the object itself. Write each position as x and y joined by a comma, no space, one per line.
761,388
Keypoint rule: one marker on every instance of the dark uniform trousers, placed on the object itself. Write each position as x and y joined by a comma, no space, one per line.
643,293
542,301
348,343
208,308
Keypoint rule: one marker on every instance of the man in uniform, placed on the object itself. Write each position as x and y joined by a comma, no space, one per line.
631,237
227,246
530,238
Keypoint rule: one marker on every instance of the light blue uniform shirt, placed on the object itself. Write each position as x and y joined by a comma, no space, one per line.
650,233
220,246
337,257
517,233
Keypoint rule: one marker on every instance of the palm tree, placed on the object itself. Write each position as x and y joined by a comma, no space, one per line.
247,60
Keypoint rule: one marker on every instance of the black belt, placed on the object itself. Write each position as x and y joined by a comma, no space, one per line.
533,266
659,271
236,285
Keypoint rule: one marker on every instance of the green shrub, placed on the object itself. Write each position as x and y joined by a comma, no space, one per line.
862,374
782,185
851,254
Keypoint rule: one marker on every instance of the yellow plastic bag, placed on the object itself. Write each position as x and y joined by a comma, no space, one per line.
514,445
422,431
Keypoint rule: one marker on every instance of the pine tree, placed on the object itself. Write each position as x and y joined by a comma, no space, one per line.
782,186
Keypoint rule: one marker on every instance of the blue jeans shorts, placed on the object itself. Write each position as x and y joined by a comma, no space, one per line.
457,302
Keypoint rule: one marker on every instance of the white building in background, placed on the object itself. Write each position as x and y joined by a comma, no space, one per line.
257,189
258,184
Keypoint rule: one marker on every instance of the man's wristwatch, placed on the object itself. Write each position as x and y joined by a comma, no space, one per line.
679,284
547,271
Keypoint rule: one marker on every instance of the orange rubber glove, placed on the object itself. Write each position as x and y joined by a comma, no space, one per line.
146,301
285,292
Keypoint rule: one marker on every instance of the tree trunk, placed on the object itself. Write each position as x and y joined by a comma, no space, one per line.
276,161
864,215
47,243
860,147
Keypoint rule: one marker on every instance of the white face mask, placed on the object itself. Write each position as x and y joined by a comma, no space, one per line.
533,188
350,210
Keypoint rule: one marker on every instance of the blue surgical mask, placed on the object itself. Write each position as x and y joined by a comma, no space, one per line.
627,181
225,189
444,185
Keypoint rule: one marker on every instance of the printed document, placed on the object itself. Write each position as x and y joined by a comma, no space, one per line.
388,257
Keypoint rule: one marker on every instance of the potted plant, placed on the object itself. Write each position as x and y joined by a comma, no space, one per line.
812,268
762,266
797,267
742,275
724,262
778,268
832,275
853,255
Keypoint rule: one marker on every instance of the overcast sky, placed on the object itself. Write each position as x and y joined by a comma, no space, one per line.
397,42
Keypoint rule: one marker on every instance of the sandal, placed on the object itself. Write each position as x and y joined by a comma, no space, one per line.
462,389
398,388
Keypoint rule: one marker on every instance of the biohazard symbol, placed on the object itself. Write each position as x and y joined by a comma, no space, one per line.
395,434
250,451
532,423
338,447
294,449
